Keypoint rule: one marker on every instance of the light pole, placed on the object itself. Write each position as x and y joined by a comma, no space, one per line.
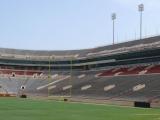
141,9
113,17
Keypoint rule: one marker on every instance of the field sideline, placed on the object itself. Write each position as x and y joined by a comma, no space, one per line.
27,109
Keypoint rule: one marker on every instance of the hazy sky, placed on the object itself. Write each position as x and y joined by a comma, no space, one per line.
73,24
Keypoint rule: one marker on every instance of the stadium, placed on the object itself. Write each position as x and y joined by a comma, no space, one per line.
124,74
114,81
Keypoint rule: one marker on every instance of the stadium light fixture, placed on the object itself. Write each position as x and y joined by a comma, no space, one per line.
141,9
113,17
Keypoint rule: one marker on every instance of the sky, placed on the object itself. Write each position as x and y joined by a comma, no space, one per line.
73,24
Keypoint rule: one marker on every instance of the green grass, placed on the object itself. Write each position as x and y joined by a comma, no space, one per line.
21,109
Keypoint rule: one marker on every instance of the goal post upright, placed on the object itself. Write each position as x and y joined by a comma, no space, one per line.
49,73
71,70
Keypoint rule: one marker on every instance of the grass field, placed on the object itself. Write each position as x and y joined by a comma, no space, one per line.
26,109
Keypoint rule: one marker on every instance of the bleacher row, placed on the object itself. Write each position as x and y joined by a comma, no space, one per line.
117,71
140,87
91,84
13,73
136,70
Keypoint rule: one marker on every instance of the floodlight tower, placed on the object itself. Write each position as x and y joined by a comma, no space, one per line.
141,9
113,17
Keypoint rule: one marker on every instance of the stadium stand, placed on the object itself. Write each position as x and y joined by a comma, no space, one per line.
124,71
